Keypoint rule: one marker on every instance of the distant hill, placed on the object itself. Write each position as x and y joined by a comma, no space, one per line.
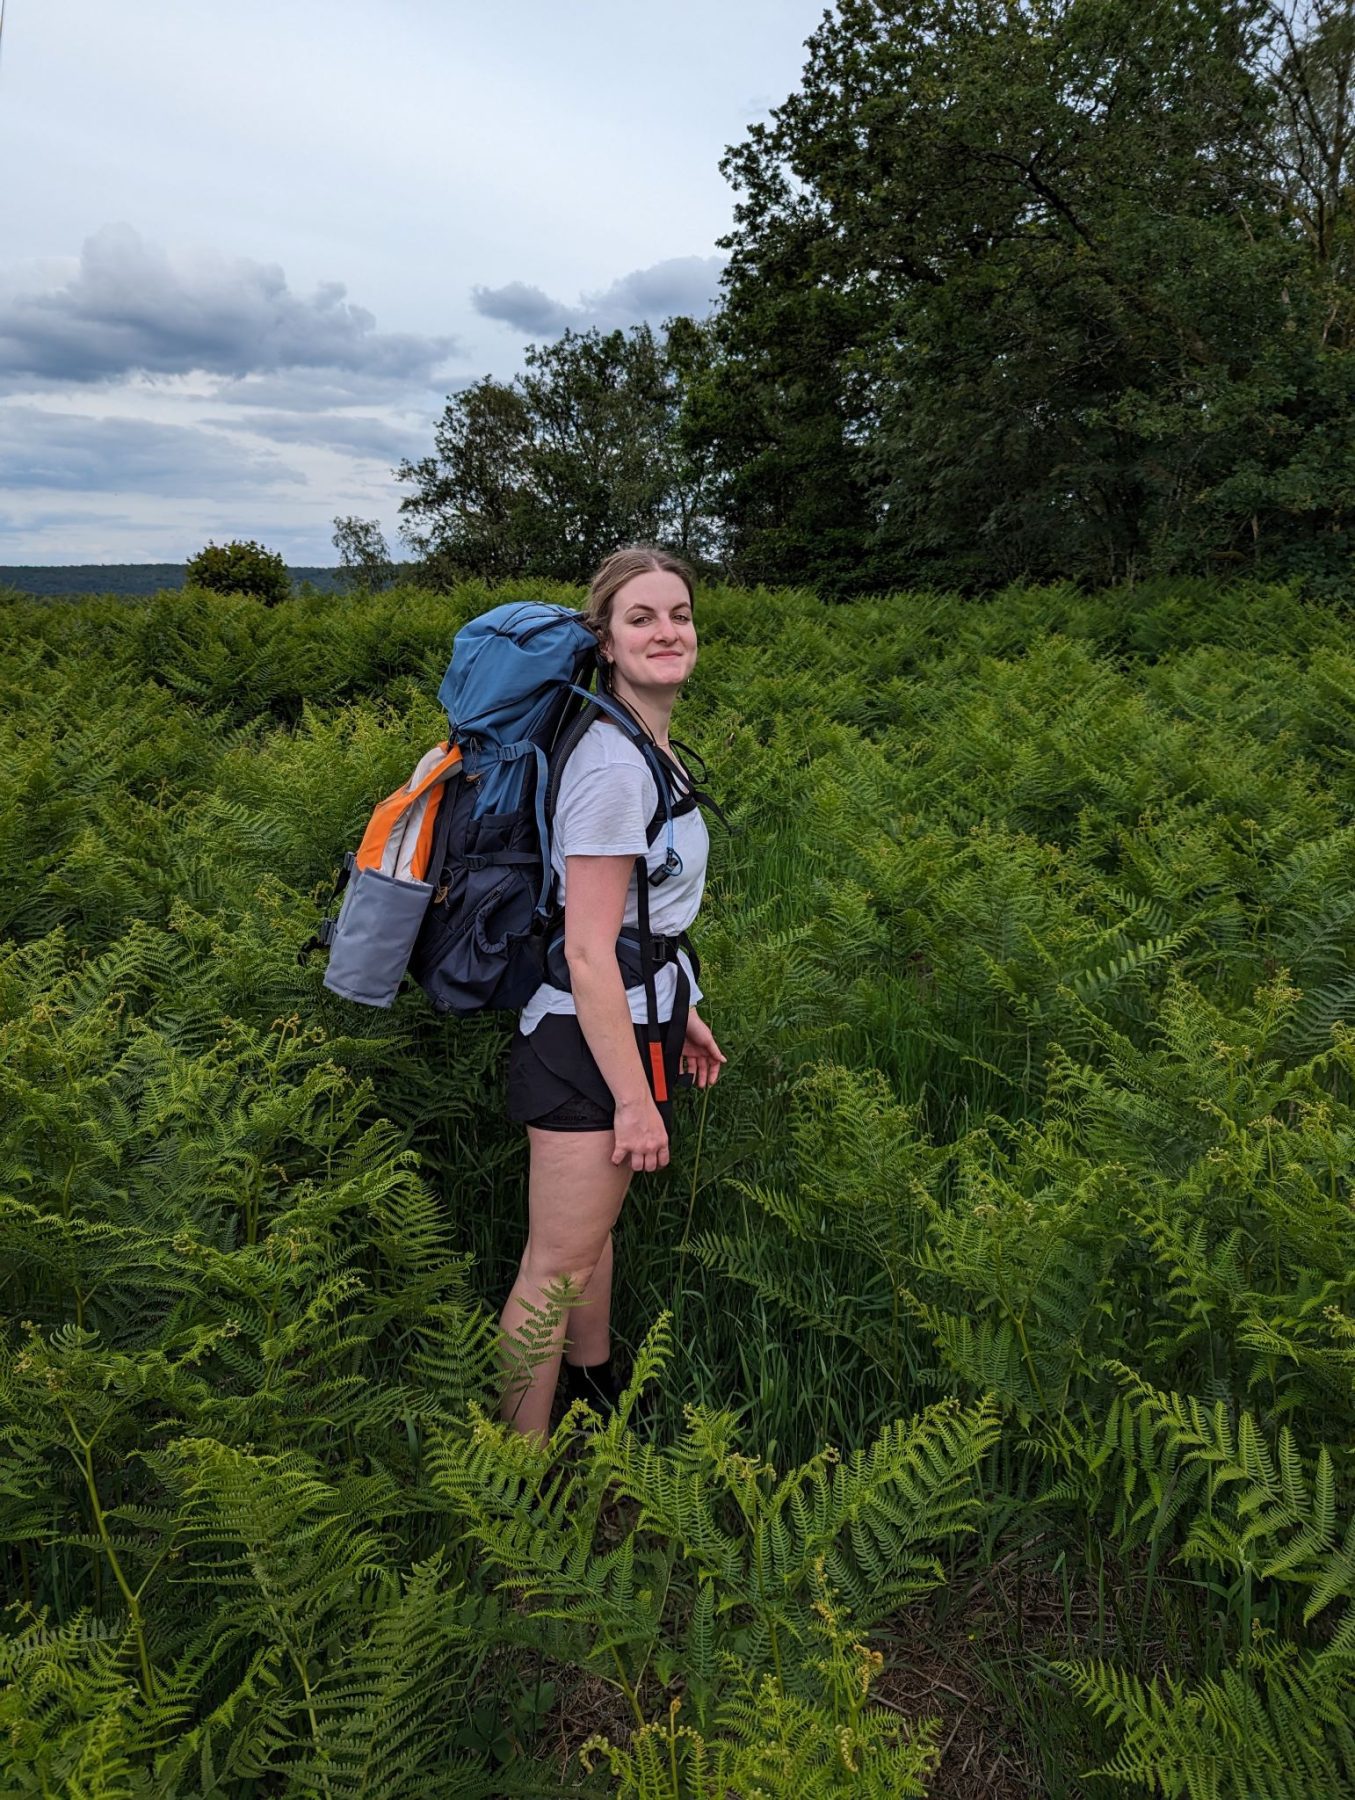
122,578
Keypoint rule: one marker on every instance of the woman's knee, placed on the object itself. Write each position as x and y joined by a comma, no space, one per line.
547,1264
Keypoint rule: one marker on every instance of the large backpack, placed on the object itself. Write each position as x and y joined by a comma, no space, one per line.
452,880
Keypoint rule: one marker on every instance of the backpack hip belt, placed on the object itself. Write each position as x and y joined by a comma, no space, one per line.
629,955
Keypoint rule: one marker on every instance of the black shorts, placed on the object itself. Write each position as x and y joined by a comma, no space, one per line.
555,1085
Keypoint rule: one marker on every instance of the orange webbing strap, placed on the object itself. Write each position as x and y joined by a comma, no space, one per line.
658,1082
393,808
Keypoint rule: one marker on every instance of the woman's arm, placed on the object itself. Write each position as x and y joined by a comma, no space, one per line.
595,904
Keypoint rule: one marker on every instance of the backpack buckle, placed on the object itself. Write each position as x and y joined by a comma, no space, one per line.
322,939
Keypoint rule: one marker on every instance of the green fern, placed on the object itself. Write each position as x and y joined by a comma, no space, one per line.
1275,1726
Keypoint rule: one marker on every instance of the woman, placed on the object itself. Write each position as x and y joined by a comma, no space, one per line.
577,1078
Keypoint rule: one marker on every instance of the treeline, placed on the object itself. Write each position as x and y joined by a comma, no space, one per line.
1061,290
53,580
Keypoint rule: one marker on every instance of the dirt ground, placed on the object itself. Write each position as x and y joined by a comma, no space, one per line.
930,1672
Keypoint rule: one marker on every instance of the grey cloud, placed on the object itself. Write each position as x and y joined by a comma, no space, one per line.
75,453
529,309
49,518
322,390
681,284
128,309
376,439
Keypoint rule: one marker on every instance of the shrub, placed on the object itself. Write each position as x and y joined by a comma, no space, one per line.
240,567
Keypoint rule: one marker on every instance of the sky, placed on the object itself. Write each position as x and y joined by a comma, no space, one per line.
247,251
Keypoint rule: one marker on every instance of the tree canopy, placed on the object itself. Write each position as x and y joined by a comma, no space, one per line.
364,559
544,475
1053,288
1021,288
240,567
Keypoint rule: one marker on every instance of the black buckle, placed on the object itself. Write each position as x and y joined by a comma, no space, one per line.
323,938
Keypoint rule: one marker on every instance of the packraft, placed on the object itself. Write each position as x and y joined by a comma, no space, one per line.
452,881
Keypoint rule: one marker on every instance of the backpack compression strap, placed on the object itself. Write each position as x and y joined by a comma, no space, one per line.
508,753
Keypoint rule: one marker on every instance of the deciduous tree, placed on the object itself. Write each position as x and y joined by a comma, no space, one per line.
543,475
364,560
1012,289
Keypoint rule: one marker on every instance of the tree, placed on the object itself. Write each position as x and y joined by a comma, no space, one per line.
240,567
1311,64
1010,292
364,560
1293,487
544,475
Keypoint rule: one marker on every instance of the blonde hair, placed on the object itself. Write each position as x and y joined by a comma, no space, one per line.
619,568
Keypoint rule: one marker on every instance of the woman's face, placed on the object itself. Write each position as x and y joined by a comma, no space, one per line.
651,637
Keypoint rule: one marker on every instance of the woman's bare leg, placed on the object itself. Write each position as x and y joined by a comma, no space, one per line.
574,1194
588,1333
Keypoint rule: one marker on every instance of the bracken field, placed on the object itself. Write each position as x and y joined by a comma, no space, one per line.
992,1429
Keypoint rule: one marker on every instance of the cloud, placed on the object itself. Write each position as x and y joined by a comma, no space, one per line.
378,440
680,285
75,453
129,309
321,390
303,390
54,518
530,309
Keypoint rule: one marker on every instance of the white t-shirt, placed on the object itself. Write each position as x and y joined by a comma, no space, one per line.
607,798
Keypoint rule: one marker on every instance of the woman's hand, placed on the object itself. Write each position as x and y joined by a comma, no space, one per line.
641,1136
701,1055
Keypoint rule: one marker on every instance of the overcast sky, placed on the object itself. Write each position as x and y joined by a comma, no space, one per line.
247,250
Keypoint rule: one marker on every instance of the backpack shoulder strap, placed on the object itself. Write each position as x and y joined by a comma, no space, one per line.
561,751
690,785
680,790
659,767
